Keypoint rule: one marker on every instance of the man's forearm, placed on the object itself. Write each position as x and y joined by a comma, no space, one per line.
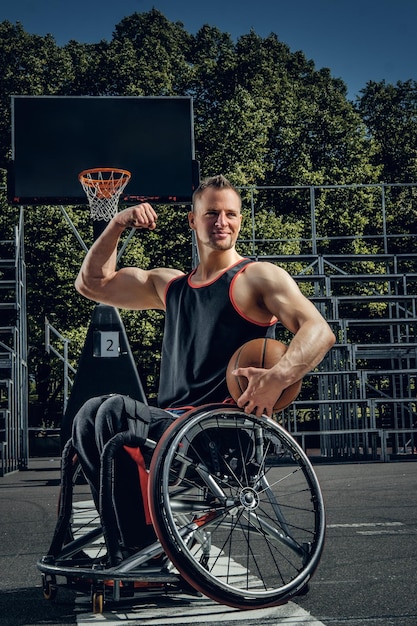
100,261
306,350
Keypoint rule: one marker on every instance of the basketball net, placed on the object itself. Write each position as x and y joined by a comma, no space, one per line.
103,187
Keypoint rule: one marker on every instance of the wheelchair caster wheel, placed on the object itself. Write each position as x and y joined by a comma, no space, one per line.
97,602
49,587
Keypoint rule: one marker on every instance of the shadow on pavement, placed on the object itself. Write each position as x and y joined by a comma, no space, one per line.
27,607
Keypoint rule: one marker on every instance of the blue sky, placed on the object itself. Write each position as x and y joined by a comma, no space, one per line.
358,40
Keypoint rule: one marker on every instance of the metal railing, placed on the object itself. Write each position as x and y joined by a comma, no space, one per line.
62,355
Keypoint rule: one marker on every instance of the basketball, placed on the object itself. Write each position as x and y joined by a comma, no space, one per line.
265,353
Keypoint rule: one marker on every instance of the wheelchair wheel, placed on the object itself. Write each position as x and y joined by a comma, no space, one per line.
237,507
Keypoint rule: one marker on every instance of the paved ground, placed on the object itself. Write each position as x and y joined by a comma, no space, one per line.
366,576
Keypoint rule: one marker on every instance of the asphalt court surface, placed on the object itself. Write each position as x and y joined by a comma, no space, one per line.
366,576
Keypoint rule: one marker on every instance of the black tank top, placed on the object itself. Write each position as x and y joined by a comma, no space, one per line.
203,329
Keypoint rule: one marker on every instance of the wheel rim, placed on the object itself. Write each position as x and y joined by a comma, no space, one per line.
250,537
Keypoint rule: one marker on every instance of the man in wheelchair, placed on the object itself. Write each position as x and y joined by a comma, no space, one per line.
224,302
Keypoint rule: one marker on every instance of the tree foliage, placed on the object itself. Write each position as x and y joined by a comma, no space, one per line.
390,115
263,115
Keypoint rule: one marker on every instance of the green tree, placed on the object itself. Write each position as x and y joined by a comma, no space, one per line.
315,136
390,115
263,115
148,56
29,65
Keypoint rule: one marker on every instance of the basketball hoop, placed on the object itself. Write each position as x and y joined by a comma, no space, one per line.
103,187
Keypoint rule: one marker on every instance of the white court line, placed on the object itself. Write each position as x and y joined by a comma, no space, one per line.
152,610
183,609
386,532
363,524
377,528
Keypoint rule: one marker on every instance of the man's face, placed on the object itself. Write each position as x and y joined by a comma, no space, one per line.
216,218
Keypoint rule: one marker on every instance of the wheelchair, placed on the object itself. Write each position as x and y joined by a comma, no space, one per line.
235,503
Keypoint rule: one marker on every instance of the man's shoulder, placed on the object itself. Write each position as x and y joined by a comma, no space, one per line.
162,278
264,278
264,268
166,274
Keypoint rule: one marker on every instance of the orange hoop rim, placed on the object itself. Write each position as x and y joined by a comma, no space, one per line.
106,187
83,176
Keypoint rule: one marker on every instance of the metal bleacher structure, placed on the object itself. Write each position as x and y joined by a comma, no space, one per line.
14,452
360,403
366,391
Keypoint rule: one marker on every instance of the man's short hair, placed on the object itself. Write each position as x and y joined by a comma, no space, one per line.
215,182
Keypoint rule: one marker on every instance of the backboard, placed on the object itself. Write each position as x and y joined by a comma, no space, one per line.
54,138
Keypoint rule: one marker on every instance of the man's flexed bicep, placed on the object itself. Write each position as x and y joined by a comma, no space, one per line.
131,287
